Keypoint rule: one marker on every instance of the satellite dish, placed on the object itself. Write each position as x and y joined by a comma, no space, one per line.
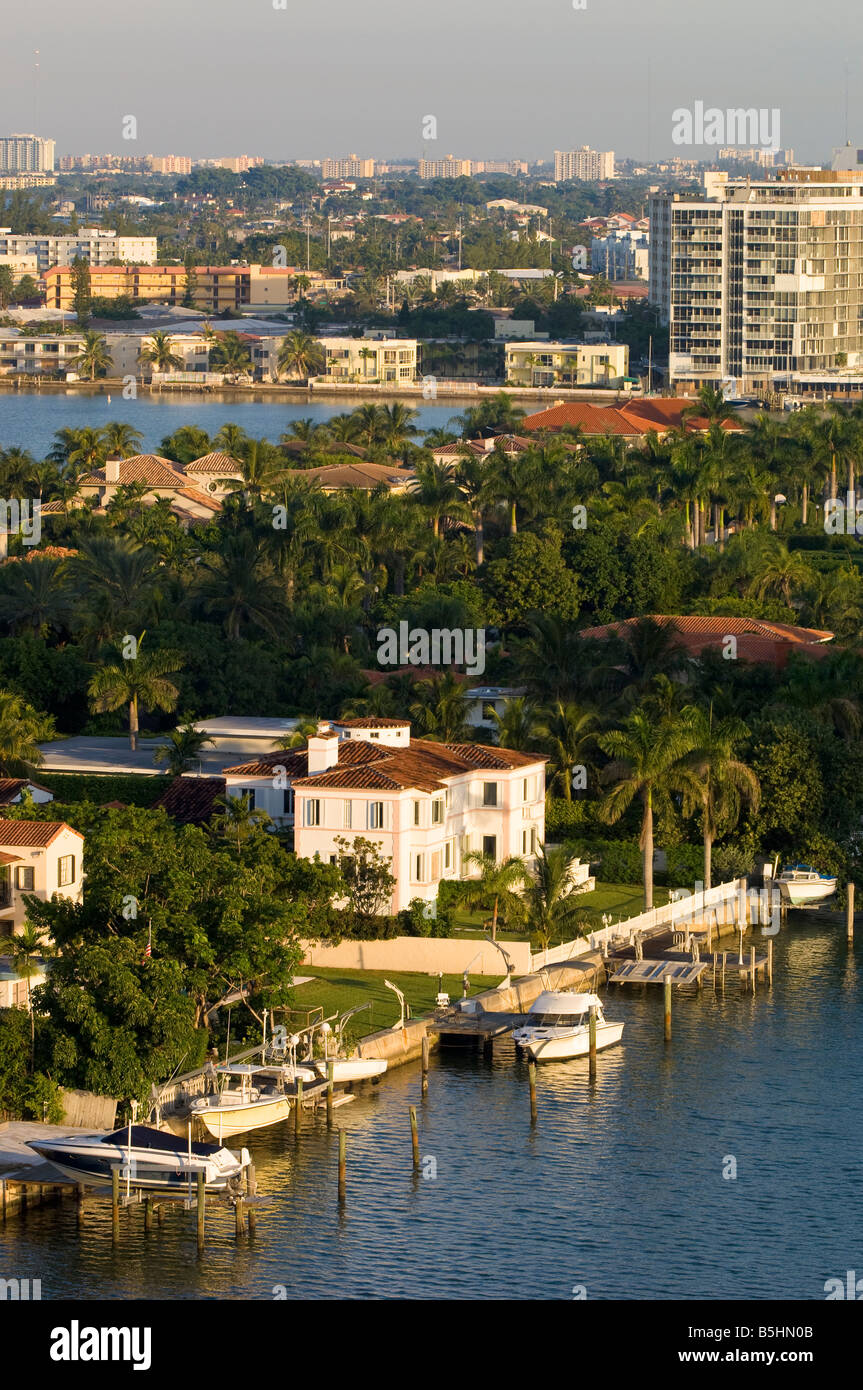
579,258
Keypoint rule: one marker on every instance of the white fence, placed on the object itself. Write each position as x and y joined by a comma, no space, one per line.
728,902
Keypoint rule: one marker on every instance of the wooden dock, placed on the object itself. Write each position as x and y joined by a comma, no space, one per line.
456,1028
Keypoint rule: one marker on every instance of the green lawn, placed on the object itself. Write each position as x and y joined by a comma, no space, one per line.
338,990
621,900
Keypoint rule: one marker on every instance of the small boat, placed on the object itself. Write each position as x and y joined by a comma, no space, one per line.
558,1027
800,885
347,1069
145,1157
251,1097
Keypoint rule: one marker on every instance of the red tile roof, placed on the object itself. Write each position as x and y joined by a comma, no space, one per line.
372,721
424,765
33,834
140,468
592,419
666,413
10,787
757,639
219,464
192,800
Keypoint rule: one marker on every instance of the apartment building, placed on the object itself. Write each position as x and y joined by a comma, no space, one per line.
26,154
425,804
90,244
214,288
350,168
46,356
604,365
761,284
370,359
447,168
43,858
584,163
169,163
621,255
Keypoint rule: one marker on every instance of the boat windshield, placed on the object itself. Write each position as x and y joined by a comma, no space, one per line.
556,1020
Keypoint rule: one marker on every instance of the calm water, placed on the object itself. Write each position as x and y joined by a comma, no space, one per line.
29,419
618,1189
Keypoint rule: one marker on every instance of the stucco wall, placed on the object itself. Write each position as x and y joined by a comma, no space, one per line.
425,954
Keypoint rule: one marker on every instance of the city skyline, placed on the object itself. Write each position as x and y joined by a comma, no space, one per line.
550,77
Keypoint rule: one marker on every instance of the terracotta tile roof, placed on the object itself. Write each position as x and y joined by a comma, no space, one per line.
666,413
373,721
352,752
33,834
592,419
192,800
10,787
218,464
52,508
364,475
424,765
298,448
482,755
45,552
140,468
757,640
201,498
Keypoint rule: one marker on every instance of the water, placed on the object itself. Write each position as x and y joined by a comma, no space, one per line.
620,1191
30,419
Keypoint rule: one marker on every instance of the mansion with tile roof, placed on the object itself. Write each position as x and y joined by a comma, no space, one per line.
425,804
39,857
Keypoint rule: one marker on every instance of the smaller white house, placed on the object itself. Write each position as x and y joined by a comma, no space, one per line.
483,702
567,364
38,857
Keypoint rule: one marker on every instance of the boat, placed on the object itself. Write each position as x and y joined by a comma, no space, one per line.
145,1157
347,1069
558,1027
251,1096
802,886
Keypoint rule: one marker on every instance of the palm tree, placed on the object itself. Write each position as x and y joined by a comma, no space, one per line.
139,683
37,595
550,905
262,469
366,353
439,709
237,583
368,419
300,355
94,357
781,573
29,944
306,728
232,356
159,353
435,488
118,581
238,819
568,732
396,426
647,763
497,886
120,439
231,439
517,727
720,783
20,732
182,749
89,450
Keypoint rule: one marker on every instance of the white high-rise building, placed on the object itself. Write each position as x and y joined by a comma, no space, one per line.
26,154
761,284
350,168
99,247
585,164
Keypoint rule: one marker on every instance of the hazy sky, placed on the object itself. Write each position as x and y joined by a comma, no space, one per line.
504,78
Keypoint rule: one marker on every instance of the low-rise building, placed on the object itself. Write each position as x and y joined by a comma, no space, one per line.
42,858
573,364
96,245
369,359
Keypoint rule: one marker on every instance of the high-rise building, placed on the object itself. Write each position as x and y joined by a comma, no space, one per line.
350,168
448,168
761,284
97,245
26,154
585,164
169,163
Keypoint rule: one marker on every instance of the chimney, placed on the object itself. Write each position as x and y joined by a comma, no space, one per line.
112,468
323,749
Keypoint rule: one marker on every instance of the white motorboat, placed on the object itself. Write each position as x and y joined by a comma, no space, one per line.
148,1158
347,1069
251,1097
800,885
558,1027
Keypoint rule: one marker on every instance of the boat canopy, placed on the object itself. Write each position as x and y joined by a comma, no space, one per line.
563,1002
143,1137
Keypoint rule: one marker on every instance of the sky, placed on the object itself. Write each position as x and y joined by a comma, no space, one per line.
505,79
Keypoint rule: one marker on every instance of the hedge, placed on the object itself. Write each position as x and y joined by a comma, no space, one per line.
69,787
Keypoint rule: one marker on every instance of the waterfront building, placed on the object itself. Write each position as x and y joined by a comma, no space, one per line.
425,804
90,244
26,154
761,284
604,365
584,164
350,168
369,359
44,356
42,858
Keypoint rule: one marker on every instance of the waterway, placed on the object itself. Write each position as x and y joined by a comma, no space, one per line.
29,419
618,1190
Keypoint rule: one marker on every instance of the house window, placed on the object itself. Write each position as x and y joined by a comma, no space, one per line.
288,801
374,735
533,839
527,789
489,847
418,868
313,813
348,805
465,845
416,813
447,855
435,865
489,793
376,815
24,880
66,870
437,811
248,792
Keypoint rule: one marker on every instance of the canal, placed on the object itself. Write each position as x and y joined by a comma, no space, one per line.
619,1191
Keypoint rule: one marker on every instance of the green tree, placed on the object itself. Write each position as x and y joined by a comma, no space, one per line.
499,886
182,749
139,682
720,784
82,297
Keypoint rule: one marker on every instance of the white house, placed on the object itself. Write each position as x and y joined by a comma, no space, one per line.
40,857
425,804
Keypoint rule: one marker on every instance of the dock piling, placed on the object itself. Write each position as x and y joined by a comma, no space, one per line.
115,1204
667,1019
298,1106
148,1215
251,1190
331,1067
200,1209
591,1065
415,1139
770,960
531,1076
849,912
752,970
343,1166
239,1209
425,1066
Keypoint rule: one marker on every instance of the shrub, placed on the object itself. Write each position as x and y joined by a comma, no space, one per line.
619,860
685,866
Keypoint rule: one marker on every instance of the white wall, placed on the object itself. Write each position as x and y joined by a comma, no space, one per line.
423,954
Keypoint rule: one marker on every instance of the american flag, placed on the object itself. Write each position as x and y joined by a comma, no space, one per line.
148,949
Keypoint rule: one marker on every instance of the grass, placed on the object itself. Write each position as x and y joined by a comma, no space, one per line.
620,900
337,990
